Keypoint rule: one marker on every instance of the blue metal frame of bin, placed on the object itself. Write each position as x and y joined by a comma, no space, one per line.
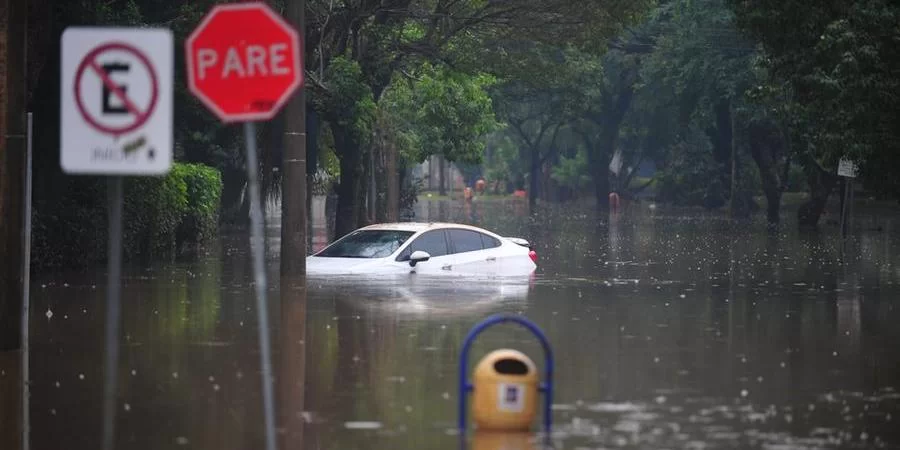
546,387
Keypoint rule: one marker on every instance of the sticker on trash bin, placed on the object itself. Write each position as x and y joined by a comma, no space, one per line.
511,397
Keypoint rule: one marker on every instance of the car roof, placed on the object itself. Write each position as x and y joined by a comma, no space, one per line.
421,226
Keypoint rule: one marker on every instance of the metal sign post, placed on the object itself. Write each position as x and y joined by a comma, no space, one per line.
26,292
244,62
257,247
848,170
113,314
116,119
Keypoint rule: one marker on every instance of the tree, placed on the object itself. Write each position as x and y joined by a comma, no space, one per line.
833,64
702,60
440,111
385,37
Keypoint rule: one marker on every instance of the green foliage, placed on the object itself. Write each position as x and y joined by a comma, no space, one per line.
161,214
834,66
204,195
572,172
441,112
154,208
502,165
164,213
691,175
348,103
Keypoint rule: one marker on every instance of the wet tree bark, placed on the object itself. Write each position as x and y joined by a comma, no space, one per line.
721,136
13,98
609,120
363,193
735,203
349,186
821,183
392,188
534,185
442,185
767,146
599,173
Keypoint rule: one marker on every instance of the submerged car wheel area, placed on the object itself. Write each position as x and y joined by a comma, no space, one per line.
427,248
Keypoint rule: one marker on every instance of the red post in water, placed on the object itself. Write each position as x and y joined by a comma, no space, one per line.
614,202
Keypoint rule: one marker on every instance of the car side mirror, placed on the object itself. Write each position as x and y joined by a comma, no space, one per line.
417,257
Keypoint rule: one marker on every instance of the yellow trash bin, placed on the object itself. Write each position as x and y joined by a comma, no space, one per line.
505,389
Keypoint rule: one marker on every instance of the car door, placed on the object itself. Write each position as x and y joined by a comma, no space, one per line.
434,242
469,255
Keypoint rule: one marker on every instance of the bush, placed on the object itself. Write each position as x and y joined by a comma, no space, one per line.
154,208
161,214
204,197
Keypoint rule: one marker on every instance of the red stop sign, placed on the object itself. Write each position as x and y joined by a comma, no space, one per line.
243,61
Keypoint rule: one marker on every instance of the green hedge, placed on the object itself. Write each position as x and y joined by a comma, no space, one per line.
164,213
162,216
204,195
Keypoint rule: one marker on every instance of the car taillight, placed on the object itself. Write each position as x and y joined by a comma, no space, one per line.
533,255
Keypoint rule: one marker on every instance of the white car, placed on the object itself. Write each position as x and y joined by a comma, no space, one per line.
425,248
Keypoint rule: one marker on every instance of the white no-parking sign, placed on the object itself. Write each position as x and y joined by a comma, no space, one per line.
116,101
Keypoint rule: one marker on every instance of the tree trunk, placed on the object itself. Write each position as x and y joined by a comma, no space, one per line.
821,183
13,98
392,183
735,201
534,178
348,189
601,190
362,192
767,148
442,186
722,137
609,121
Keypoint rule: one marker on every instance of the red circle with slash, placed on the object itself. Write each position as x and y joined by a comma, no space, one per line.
90,62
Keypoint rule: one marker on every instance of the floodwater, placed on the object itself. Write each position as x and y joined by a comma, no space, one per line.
671,330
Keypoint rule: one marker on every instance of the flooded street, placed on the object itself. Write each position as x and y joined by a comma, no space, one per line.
671,329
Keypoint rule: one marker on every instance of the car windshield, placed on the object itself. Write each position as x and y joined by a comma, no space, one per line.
367,244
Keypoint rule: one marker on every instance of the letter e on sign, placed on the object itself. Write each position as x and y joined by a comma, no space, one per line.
116,101
244,61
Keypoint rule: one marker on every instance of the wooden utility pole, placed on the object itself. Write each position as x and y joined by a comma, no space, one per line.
293,184
13,98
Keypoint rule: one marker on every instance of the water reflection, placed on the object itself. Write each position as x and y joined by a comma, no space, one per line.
291,373
10,398
422,297
672,329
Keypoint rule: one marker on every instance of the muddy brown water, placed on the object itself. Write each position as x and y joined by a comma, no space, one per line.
671,329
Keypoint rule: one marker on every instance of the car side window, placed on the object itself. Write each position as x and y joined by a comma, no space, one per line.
432,242
465,240
489,241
